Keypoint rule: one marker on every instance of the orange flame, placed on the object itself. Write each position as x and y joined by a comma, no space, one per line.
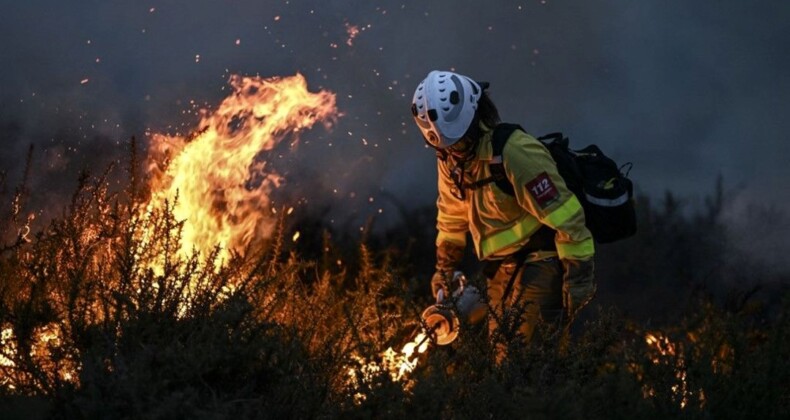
398,366
407,360
667,352
47,340
210,173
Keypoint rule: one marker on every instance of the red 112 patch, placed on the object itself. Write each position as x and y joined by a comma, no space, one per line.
542,190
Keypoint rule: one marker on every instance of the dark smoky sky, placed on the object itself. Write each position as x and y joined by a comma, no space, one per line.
686,90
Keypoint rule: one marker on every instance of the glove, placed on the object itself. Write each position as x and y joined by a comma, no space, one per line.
578,285
448,256
441,281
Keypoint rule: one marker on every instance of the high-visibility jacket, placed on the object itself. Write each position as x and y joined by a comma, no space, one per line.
501,224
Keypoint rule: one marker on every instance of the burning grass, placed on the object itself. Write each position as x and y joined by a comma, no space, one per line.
104,315
123,307
89,326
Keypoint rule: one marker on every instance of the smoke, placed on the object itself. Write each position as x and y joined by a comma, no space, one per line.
684,90
757,232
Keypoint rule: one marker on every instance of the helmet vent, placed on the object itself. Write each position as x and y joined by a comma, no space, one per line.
454,98
433,115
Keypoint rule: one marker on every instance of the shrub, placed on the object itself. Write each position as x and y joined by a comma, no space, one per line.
103,317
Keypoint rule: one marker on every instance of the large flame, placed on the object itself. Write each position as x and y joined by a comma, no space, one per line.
221,184
215,182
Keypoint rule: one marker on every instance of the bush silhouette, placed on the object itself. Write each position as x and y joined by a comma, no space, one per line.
103,318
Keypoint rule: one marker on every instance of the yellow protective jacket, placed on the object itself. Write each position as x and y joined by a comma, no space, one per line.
501,224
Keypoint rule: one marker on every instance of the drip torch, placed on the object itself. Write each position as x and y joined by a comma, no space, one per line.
465,305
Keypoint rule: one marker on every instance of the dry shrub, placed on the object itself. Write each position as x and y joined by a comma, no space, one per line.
105,319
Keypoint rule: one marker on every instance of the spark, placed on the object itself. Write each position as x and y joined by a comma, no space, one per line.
352,31
667,352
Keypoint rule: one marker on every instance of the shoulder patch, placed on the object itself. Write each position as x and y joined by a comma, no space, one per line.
542,190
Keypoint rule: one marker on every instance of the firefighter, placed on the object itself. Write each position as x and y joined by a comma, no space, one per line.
538,252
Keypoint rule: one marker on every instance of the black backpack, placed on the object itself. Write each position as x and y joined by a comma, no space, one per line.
605,193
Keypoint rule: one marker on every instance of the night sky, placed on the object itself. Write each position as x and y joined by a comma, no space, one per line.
686,90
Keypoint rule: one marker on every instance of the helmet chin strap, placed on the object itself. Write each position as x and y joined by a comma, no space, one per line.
457,170
467,154
459,161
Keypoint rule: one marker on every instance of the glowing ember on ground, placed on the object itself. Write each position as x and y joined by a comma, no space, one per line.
5,335
221,184
44,350
7,349
667,352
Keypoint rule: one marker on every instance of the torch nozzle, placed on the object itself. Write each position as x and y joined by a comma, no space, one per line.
440,323
443,320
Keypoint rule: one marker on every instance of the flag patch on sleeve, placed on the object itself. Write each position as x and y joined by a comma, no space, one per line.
542,190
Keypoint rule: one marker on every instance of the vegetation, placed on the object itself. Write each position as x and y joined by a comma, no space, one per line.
102,318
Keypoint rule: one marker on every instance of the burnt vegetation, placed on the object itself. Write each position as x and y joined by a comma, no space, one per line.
102,318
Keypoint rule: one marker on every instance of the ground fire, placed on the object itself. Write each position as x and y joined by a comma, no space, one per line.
310,326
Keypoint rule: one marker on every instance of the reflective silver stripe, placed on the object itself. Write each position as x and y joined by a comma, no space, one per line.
607,202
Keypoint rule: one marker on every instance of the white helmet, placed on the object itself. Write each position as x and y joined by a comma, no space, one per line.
444,106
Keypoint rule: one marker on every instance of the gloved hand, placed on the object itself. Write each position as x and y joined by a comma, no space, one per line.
578,285
441,281
448,257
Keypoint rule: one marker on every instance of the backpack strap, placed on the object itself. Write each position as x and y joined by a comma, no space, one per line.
501,134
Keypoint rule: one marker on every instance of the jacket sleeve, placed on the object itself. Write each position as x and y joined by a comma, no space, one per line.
542,192
451,220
